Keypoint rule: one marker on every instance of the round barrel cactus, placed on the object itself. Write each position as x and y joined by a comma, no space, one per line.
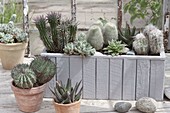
44,69
140,44
23,76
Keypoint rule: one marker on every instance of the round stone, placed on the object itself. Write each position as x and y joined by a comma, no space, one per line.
123,107
130,53
167,92
146,105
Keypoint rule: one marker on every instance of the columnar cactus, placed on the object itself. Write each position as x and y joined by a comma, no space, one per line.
140,44
110,32
44,69
23,76
156,41
95,37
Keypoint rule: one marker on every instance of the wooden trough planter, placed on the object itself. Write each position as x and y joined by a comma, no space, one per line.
105,77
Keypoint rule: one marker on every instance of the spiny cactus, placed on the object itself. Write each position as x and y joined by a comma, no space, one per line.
110,32
148,29
23,76
44,69
156,41
140,44
66,94
95,37
114,48
79,47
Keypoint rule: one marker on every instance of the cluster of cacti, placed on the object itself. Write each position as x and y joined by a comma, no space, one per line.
141,44
11,34
114,48
150,42
100,33
66,94
79,47
126,35
23,76
58,33
39,72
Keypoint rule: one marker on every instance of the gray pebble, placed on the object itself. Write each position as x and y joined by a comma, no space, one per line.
123,107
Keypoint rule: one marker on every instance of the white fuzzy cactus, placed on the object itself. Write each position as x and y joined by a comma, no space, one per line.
156,41
148,29
95,37
110,32
140,44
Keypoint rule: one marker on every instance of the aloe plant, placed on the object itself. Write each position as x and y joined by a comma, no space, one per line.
127,35
66,94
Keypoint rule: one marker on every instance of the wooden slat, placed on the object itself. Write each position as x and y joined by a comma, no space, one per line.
102,78
157,79
129,78
75,69
142,83
115,79
51,83
89,78
63,69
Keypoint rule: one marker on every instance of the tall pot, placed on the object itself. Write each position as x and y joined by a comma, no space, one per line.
12,54
29,100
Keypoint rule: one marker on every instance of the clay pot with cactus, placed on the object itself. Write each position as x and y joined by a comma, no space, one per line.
29,82
13,42
66,97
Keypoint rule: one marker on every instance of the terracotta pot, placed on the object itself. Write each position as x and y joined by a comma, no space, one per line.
67,108
12,54
29,100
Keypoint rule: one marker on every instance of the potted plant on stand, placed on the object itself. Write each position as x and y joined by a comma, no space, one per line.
13,42
67,97
29,82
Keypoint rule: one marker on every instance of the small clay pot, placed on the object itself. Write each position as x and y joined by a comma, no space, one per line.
67,108
29,100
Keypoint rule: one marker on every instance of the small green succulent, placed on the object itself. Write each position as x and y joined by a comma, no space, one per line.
114,48
66,94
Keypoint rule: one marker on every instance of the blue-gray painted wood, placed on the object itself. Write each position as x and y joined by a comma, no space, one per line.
63,71
157,80
115,79
102,78
89,73
142,80
51,83
129,79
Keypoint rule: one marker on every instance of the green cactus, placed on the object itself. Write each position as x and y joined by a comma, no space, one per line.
127,35
114,48
95,37
44,69
23,76
110,32
79,47
66,94
140,44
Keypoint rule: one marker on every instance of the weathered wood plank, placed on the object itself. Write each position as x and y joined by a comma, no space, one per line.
142,81
76,69
157,79
63,71
129,79
51,83
89,78
102,78
116,79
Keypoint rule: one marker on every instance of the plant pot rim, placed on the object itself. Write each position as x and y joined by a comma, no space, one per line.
70,104
29,91
11,44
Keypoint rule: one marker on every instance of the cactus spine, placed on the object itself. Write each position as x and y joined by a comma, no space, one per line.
24,76
140,44
44,69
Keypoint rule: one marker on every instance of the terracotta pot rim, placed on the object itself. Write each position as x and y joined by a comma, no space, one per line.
33,90
59,104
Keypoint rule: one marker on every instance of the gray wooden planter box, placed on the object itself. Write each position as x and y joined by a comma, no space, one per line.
105,77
